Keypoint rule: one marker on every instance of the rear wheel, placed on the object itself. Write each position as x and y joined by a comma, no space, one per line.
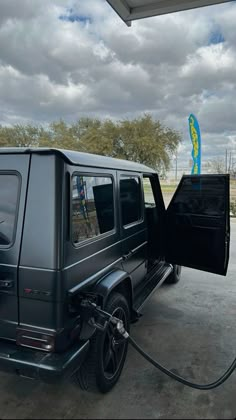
174,277
103,366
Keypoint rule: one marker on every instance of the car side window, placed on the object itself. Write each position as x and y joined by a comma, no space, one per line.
92,206
130,199
148,193
9,188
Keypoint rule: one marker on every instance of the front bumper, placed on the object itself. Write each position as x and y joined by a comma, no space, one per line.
47,367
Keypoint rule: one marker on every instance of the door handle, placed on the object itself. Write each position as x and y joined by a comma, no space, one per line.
127,256
6,284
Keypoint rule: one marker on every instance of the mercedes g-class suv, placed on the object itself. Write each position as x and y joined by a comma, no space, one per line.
76,226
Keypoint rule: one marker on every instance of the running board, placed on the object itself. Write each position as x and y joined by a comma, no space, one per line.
151,286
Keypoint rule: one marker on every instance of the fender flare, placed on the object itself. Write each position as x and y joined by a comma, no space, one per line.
107,284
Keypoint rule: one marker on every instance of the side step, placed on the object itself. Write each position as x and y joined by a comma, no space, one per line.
155,281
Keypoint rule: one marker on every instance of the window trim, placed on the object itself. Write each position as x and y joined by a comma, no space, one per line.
102,235
141,220
19,178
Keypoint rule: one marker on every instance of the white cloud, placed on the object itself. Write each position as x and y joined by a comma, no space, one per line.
51,67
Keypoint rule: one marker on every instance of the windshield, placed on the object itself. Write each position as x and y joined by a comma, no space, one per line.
9,185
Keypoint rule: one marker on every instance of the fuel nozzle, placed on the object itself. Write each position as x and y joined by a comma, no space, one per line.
121,329
99,319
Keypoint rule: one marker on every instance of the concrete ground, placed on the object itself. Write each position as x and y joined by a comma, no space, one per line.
188,327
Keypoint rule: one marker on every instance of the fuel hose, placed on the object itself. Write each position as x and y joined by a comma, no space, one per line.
122,331
178,378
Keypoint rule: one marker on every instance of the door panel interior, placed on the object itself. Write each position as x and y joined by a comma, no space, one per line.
197,223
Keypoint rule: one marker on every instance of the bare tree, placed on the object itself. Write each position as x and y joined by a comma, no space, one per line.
216,166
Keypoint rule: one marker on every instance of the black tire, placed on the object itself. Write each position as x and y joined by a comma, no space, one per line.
175,276
103,366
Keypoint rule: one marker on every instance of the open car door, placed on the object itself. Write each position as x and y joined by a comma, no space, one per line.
198,224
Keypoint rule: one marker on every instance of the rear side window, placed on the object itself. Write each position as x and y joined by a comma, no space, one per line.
131,201
9,188
92,207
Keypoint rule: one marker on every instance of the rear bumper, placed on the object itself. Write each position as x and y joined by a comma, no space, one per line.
47,367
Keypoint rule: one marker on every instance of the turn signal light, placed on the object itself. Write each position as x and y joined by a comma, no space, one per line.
35,340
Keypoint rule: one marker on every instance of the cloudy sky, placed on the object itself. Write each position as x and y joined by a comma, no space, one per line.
72,58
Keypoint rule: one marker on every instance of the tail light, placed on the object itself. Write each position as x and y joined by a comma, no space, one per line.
35,340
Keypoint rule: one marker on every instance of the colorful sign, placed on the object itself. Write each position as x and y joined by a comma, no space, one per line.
195,136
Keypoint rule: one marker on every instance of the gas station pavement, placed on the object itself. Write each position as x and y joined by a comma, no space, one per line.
189,328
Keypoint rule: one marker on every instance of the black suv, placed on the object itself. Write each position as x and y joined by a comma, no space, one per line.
78,227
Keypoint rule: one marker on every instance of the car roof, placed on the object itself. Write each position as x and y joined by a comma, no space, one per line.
82,159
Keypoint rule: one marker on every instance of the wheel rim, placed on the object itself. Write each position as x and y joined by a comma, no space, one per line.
113,346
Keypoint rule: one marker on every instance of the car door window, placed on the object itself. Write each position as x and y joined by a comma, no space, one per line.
92,207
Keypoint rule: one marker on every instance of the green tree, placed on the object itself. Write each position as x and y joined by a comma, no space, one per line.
89,136
58,135
143,139
19,136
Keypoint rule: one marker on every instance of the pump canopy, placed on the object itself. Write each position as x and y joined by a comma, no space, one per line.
130,10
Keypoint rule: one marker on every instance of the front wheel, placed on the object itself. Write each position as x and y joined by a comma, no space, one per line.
103,366
174,277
